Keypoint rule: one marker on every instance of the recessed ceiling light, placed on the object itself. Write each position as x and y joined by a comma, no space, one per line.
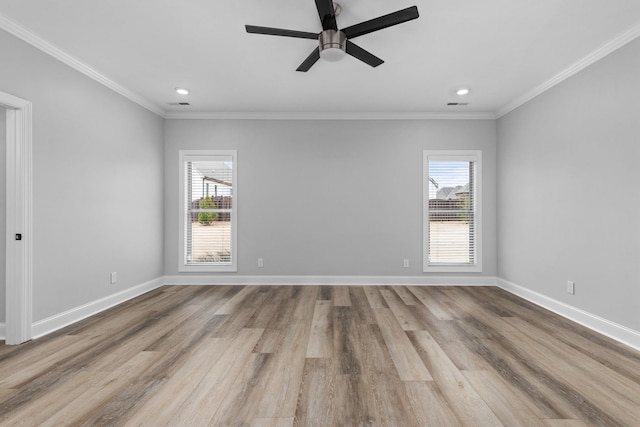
182,91
462,91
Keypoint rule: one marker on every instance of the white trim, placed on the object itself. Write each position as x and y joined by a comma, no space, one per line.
596,55
58,321
346,115
19,219
38,42
452,155
207,155
2,331
24,34
330,280
613,330
606,327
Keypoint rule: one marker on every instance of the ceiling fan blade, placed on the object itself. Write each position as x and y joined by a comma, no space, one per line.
254,29
363,55
381,22
327,14
311,59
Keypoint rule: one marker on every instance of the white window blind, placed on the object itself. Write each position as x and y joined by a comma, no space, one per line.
208,214
452,225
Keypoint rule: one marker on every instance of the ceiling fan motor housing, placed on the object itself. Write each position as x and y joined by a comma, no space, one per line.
333,45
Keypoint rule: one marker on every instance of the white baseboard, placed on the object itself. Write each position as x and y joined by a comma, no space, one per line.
606,327
3,331
53,323
330,280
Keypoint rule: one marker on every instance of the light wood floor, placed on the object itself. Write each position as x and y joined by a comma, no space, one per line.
322,356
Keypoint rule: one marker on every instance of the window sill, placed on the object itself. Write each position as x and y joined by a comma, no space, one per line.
207,269
452,269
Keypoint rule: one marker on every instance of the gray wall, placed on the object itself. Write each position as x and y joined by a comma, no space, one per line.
351,191
3,209
568,198
98,198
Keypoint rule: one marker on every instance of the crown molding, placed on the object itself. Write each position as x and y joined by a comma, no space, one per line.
596,55
22,33
38,42
329,116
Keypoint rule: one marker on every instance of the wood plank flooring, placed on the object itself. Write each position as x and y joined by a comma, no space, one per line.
322,356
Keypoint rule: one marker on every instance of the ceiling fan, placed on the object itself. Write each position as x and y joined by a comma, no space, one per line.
335,43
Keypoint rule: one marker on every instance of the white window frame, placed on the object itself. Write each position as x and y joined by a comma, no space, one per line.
453,155
207,155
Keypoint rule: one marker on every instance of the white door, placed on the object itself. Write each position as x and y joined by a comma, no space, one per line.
3,216
18,208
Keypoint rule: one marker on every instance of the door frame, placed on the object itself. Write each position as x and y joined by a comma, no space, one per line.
19,253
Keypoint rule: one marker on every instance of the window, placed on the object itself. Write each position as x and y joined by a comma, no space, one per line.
452,214
208,226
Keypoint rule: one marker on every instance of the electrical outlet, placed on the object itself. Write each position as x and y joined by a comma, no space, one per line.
113,277
571,287
260,262
406,263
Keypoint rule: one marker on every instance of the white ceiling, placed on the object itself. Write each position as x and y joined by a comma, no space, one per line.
505,51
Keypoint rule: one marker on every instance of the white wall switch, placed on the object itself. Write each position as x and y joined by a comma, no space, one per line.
260,262
406,263
113,277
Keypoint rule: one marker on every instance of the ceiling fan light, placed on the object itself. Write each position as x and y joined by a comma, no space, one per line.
332,54
333,45
462,91
182,91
